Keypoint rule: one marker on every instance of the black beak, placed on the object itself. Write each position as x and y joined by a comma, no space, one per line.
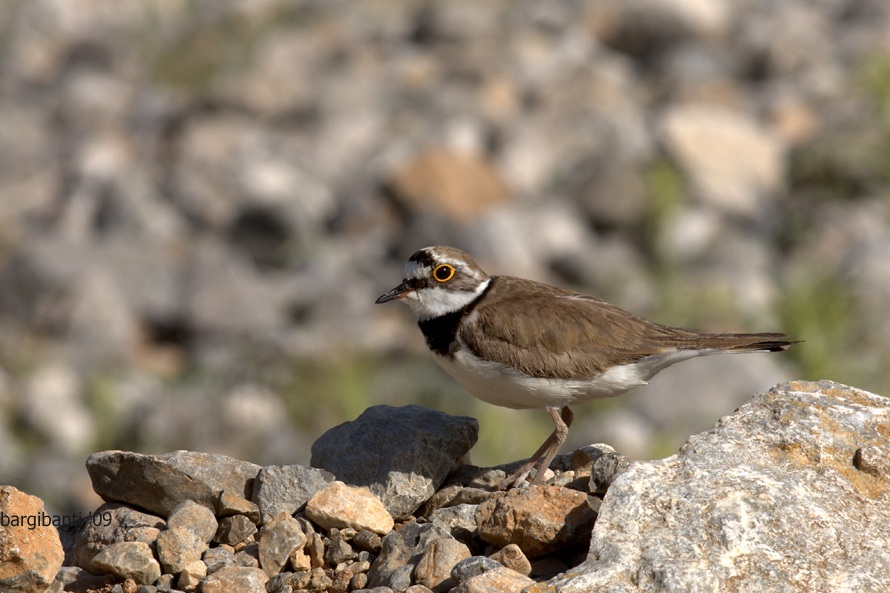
396,293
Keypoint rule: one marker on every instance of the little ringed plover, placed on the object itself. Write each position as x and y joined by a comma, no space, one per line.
523,344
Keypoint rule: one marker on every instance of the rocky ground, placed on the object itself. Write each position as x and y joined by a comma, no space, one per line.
201,201
789,493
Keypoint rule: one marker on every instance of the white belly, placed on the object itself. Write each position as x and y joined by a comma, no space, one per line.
504,386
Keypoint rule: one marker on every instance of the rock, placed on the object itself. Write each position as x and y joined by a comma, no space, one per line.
458,520
512,557
234,530
30,550
435,565
497,580
277,540
339,505
233,504
191,575
403,472
159,483
706,142
76,579
194,517
460,187
129,560
112,522
772,494
400,553
338,549
216,558
286,488
471,567
539,519
178,546
235,579
602,463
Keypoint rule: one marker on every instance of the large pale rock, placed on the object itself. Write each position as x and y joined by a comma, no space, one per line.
277,540
790,493
405,471
434,568
458,186
339,505
733,162
194,517
30,549
539,519
177,547
159,483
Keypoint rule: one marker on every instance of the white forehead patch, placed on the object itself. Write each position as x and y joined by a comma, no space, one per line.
415,270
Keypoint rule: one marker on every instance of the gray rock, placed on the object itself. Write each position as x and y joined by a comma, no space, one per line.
177,547
286,488
402,472
216,558
471,567
276,542
159,483
402,549
777,493
111,523
338,549
458,520
129,560
234,530
194,517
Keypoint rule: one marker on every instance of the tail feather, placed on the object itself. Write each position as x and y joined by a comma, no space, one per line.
762,342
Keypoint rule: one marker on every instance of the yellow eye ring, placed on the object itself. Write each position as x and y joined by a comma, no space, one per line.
443,273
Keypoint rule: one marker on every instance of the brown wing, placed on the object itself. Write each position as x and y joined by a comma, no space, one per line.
557,332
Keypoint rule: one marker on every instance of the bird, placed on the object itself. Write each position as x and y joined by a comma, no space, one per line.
524,344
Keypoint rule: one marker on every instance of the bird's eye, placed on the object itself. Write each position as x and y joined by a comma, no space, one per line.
443,273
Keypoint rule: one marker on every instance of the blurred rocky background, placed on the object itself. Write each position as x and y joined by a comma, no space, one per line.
200,201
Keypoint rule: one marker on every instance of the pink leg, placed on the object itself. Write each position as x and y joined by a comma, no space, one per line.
562,419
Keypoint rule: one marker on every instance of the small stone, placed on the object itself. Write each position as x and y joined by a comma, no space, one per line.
191,575
602,463
129,560
340,581
234,530
368,541
286,488
512,557
216,558
459,520
299,560
358,581
195,517
471,567
498,580
539,519
235,579
177,547
338,549
300,579
400,552
318,580
165,583
232,504
248,556
277,540
30,556
339,505
418,589
434,568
